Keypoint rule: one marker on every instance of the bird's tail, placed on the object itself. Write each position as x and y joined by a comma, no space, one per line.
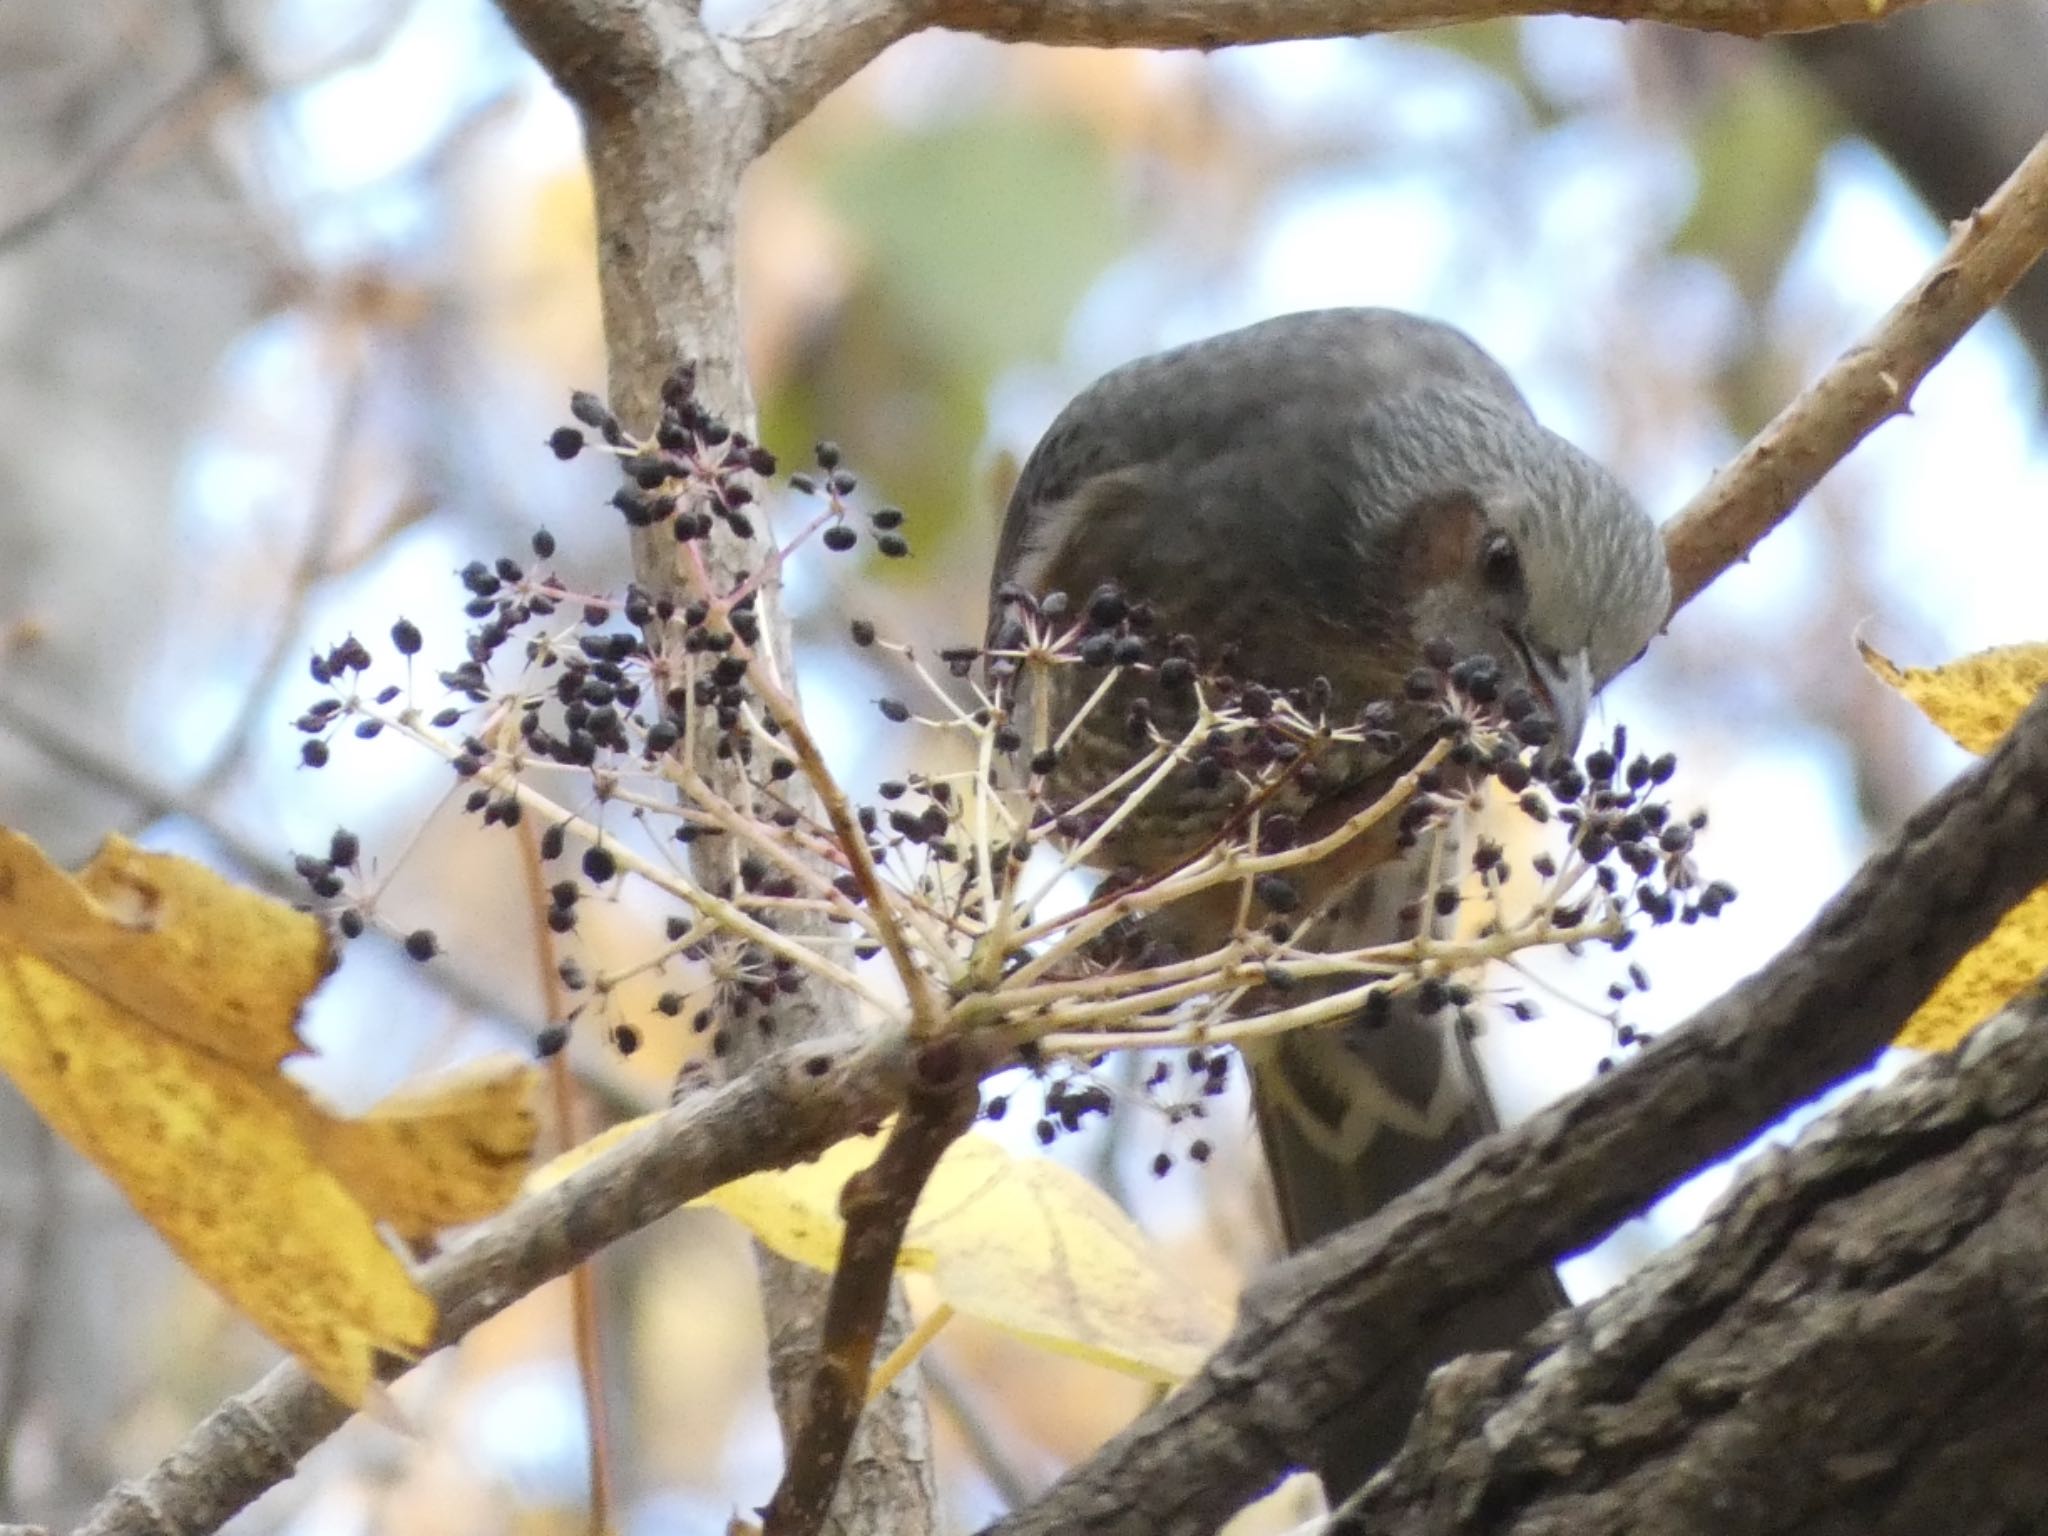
1350,1117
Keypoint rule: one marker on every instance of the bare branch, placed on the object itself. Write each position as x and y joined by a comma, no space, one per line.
671,125
1315,1334
27,1308
799,51
1872,382
328,511
789,1107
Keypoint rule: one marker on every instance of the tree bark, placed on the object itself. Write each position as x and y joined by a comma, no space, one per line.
670,128
1854,1344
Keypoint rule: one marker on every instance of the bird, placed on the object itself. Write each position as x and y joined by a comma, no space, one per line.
1324,499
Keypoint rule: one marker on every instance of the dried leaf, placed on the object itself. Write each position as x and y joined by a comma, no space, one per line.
1024,1243
1031,1246
438,1153
1976,700
1984,980
146,1008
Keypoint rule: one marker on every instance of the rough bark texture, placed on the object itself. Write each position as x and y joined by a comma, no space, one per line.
1873,1301
1315,1335
674,115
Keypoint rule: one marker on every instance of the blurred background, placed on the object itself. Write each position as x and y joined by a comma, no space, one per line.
290,295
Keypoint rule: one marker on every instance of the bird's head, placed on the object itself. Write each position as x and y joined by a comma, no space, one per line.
1514,544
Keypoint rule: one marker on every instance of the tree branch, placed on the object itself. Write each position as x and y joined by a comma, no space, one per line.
671,124
1872,382
1900,1236
789,1107
1315,1333
801,50
876,1205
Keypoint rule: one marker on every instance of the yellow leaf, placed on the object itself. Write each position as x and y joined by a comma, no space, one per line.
438,1153
1023,1243
1975,699
1031,1246
1984,980
795,1211
145,1010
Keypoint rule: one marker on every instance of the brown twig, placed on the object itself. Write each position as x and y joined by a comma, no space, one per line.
876,1206
1870,383
853,844
586,1336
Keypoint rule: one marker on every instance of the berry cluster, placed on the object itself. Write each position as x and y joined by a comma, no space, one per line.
651,737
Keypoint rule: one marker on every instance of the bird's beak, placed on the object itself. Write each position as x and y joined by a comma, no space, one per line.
1568,691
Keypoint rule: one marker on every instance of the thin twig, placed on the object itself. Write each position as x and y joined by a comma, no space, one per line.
503,776
853,843
88,174
36,1260
1870,383
985,1443
586,1336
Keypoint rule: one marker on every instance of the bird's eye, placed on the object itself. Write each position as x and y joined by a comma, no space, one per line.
1500,565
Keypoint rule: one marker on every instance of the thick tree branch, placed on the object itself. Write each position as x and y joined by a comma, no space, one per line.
1317,1332
1854,1344
801,50
788,1108
674,117
1872,382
